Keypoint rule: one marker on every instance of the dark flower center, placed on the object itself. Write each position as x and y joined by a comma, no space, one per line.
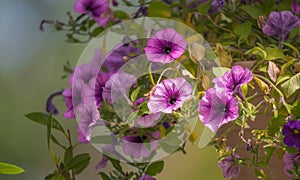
172,100
167,49
296,131
223,108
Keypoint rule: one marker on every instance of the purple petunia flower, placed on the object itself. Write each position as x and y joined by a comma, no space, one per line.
295,7
50,107
170,95
280,24
166,46
289,160
85,72
233,79
291,131
217,108
146,177
135,146
146,120
74,98
95,8
229,166
89,115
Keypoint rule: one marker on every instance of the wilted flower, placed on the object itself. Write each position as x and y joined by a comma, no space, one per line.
229,166
50,107
291,132
217,108
146,177
233,79
289,160
166,46
94,8
89,115
280,24
295,7
170,95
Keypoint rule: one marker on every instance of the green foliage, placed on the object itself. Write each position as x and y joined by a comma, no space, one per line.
159,9
155,168
6,168
243,30
291,86
252,10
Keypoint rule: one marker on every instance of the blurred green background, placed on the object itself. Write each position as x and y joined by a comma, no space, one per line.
31,64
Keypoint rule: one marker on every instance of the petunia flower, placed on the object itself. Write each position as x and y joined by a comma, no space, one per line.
50,107
135,146
170,95
229,166
217,108
146,120
233,79
295,7
280,24
85,72
89,115
73,98
289,160
146,177
291,132
166,46
95,8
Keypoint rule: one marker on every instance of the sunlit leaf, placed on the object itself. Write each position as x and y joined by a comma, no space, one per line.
291,86
6,168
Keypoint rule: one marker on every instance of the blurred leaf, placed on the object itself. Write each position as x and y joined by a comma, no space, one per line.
243,30
273,71
275,124
116,164
253,11
295,110
78,161
159,9
219,71
224,57
291,86
104,176
102,139
262,85
274,53
43,118
120,14
269,151
6,168
57,176
206,137
204,7
134,94
68,155
197,52
155,168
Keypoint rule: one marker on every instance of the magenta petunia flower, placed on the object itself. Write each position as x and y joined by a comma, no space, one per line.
170,95
95,8
166,46
229,166
280,24
289,160
291,132
295,7
217,108
89,115
233,79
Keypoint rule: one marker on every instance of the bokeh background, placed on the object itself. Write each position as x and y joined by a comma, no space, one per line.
31,67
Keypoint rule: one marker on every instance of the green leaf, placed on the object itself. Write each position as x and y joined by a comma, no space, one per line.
57,176
155,168
134,94
243,30
43,118
291,86
275,124
295,110
159,9
68,155
253,11
116,164
204,7
121,14
102,140
6,168
49,129
206,137
78,161
219,71
104,176
274,53
269,151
